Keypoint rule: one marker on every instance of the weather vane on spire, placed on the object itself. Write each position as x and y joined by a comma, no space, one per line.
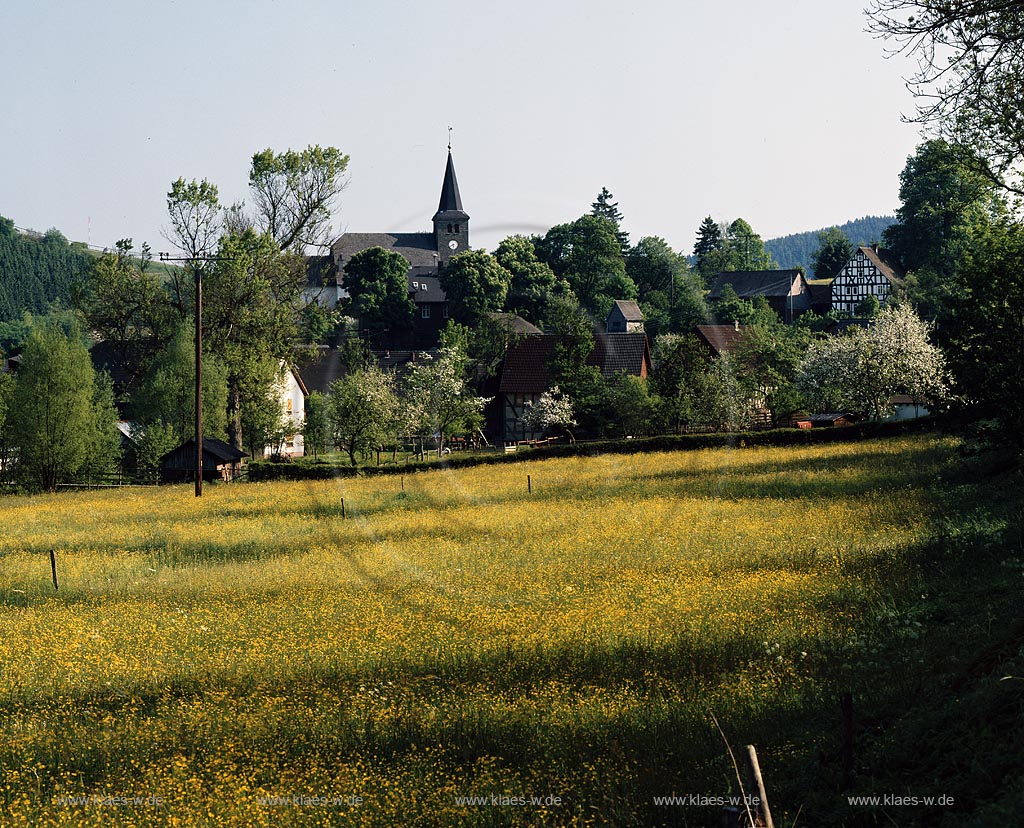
449,139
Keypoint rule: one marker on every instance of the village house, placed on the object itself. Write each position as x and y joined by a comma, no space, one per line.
526,374
871,271
720,339
624,317
786,291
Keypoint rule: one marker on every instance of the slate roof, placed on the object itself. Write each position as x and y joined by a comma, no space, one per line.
213,447
513,323
325,367
425,287
450,205
749,283
418,249
630,310
885,261
830,416
621,352
722,339
526,363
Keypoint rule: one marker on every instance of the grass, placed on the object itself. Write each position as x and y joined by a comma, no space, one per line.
466,638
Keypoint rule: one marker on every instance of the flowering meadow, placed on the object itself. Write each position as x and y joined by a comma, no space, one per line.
455,650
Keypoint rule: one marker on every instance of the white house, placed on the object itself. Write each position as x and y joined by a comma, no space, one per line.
292,394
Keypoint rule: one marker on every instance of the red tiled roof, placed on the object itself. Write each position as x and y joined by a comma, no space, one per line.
722,339
526,368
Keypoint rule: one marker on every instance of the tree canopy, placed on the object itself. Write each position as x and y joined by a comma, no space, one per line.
532,279
474,283
378,284
970,78
586,254
833,252
61,420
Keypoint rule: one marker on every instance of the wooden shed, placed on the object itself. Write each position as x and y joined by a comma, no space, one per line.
220,461
831,419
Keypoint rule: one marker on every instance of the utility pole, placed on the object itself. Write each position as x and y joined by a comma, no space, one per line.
197,263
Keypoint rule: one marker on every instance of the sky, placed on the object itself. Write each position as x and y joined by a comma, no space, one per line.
786,114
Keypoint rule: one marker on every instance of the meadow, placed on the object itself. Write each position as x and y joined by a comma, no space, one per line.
256,658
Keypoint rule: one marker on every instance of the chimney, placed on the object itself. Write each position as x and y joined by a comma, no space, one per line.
736,324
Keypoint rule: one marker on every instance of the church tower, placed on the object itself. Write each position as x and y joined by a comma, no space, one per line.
451,222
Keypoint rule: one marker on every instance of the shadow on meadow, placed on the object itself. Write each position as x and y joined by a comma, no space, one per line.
611,725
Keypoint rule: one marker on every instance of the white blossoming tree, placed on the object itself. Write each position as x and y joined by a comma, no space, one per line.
438,398
861,373
554,409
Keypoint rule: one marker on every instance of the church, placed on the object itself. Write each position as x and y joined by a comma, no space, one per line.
426,253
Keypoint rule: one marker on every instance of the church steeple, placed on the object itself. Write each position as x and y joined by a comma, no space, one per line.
451,222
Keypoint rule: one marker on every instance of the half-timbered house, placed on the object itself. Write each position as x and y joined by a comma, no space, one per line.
525,373
871,272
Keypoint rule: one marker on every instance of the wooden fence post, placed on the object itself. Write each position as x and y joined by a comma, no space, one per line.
343,508
529,485
756,787
53,568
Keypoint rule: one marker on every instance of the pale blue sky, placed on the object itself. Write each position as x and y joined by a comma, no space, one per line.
785,113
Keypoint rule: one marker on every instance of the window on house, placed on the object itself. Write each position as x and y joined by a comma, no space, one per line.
425,312
289,406
445,312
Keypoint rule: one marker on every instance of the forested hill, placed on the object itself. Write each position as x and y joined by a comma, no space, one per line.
36,271
798,249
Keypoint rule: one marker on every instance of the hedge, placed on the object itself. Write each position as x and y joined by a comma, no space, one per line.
262,470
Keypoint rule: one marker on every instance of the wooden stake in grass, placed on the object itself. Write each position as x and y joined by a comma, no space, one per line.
343,508
756,784
403,482
53,568
529,485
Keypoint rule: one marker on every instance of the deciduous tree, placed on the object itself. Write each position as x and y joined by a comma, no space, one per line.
970,79
474,283
554,409
377,280
861,372
55,421
532,280
587,255
833,252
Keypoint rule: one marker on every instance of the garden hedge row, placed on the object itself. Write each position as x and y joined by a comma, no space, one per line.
263,470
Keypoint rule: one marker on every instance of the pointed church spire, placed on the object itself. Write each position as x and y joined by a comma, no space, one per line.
451,200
